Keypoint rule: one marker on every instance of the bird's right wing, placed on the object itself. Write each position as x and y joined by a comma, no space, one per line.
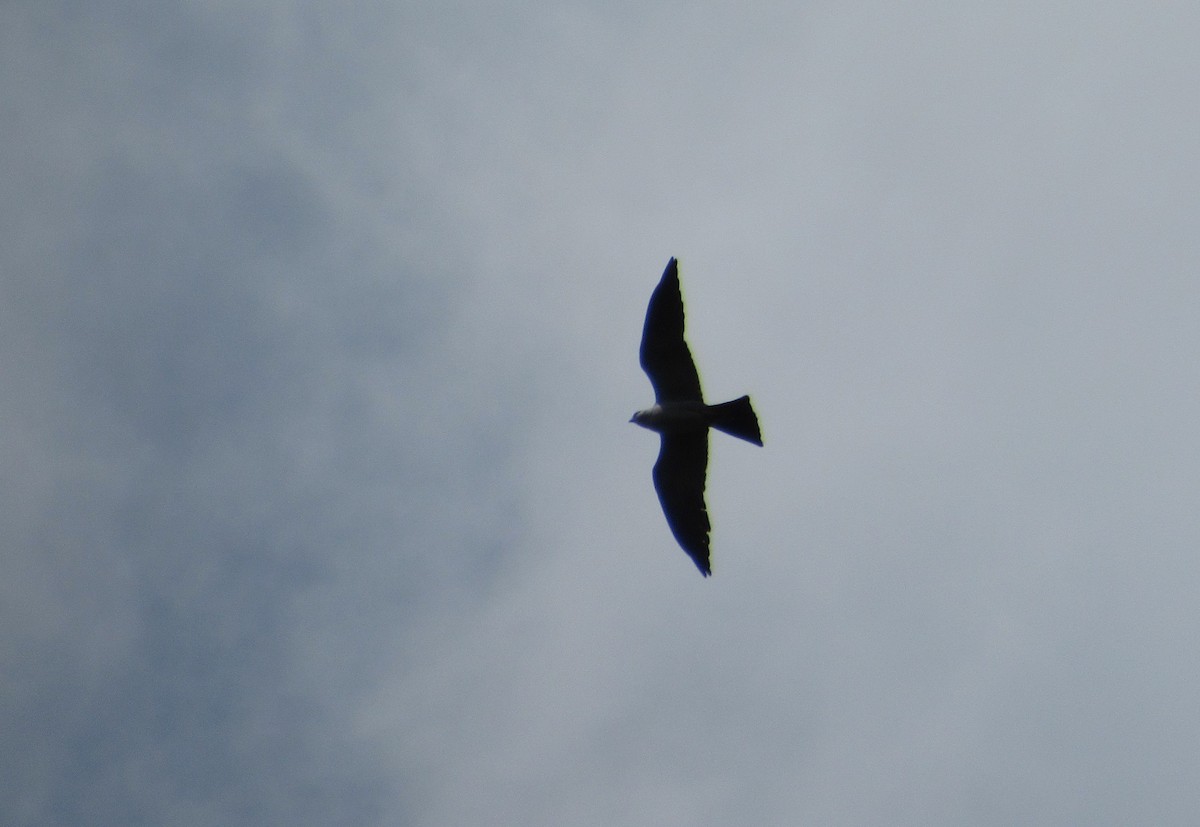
664,355
679,481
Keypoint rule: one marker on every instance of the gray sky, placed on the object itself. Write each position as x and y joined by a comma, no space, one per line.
318,335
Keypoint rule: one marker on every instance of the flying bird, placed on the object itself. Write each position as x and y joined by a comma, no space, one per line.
682,420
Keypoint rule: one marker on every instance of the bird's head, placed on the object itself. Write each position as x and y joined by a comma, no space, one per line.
645,418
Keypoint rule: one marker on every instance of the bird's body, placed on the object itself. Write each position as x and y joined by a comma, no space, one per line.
682,419
675,417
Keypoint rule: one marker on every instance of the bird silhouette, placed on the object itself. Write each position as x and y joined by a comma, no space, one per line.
682,419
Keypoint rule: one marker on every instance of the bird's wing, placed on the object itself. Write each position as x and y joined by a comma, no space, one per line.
665,356
679,481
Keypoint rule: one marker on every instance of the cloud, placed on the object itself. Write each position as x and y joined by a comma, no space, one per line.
319,341
199,434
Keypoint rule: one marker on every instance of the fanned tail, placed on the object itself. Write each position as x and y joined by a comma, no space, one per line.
737,419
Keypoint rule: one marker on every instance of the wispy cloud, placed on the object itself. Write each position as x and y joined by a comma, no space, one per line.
318,339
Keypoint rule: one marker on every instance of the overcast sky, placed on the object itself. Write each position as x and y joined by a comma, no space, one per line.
318,342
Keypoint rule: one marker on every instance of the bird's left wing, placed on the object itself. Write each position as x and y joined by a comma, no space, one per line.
664,355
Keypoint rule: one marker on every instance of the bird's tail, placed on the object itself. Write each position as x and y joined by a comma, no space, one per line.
737,419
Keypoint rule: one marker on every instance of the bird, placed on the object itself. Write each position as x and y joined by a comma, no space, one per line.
682,419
